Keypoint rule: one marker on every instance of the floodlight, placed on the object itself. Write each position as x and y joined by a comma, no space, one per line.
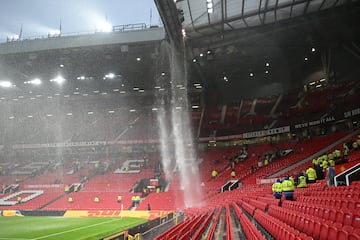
5,84
138,59
59,80
251,74
35,81
104,27
14,37
54,33
110,76
183,31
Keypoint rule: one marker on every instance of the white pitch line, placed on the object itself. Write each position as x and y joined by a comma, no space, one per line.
14,238
75,229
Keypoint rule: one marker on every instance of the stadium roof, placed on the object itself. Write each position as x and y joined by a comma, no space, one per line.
244,48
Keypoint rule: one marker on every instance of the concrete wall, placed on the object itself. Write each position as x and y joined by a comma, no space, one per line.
151,34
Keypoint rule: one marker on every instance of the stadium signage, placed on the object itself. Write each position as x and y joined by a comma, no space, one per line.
314,123
117,213
351,113
262,133
267,132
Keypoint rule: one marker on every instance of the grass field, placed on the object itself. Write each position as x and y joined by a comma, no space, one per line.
56,228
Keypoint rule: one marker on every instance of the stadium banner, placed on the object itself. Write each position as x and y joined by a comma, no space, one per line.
352,113
11,213
266,180
268,132
315,122
149,215
84,144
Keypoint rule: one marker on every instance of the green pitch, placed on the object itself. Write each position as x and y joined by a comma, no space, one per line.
56,228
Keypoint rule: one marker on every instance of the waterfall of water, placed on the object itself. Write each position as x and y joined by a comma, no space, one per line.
175,131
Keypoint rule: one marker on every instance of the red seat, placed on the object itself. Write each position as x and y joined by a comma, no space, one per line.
339,218
333,233
324,231
348,228
356,222
342,234
348,219
309,227
353,236
316,233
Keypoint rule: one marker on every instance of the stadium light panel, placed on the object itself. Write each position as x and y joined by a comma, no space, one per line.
251,74
54,33
313,49
11,117
59,80
138,59
154,109
14,37
267,64
183,32
104,26
5,84
35,81
110,76
90,113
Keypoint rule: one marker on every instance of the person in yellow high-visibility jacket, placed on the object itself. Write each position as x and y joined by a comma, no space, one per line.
277,189
288,189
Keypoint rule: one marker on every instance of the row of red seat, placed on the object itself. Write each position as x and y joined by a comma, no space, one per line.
311,225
